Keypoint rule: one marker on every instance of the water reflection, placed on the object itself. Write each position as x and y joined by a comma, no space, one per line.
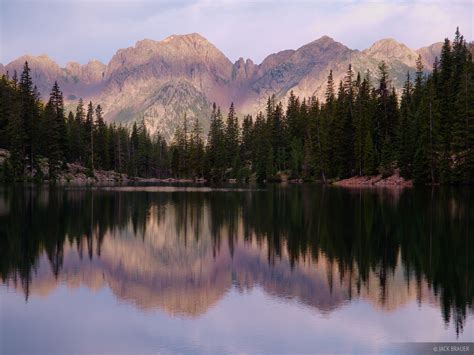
182,251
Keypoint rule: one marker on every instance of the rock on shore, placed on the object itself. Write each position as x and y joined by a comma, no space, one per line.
76,174
394,180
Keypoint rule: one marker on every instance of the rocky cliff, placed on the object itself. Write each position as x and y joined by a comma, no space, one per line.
161,81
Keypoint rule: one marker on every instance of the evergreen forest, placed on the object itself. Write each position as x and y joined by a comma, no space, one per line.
425,132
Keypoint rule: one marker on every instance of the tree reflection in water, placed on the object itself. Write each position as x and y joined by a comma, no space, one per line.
182,250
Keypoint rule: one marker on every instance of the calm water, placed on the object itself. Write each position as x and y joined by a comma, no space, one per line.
295,269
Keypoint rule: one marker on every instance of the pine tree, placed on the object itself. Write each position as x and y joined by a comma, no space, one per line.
325,130
462,132
101,153
133,152
278,137
386,120
292,114
262,146
369,155
330,92
88,138
338,129
56,147
348,124
78,143
16,139
446,97
296,157
112,137
419,80
427,159
7,104
406,139
123,149
70,129
381,114
362,123
196,155
231,137
28,115
313,148
144,150
247,147
216,154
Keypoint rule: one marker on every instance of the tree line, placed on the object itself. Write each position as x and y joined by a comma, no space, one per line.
363,127
357,233
41,139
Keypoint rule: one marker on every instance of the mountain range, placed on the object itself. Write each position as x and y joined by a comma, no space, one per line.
187,276
161,81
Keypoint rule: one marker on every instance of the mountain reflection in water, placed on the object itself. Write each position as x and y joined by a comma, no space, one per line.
181,251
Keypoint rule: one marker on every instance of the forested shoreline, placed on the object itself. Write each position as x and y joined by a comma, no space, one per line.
362,128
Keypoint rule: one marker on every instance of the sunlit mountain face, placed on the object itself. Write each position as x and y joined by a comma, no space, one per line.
161,81
181,250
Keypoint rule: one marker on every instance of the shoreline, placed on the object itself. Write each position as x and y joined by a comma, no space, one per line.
374,181
78,175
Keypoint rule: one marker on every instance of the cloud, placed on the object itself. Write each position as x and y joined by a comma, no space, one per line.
413,23
84,29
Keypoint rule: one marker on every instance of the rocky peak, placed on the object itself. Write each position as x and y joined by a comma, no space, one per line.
321,49
323,43
193,39
182,53
429,53
243,70
273,60
162,80
146,44
389,49
41,62
44,71
90,73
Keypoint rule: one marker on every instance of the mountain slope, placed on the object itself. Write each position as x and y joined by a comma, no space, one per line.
390,50
429,53
161,81
75,80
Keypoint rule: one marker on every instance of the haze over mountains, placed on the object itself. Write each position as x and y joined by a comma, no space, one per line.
184,74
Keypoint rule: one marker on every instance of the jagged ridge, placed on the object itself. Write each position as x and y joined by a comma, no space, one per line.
163,80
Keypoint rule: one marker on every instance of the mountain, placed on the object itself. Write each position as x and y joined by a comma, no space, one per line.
161,81
75,80
186,276
391,51
429,53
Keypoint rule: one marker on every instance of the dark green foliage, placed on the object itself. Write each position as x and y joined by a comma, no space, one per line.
88,137
429,152
19,114
215,150
406,129
32,132
363,119
196,151
420,241
262,147
56,138
231,142
363,129
101,141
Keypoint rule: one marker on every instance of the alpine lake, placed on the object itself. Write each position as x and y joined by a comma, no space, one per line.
234,269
